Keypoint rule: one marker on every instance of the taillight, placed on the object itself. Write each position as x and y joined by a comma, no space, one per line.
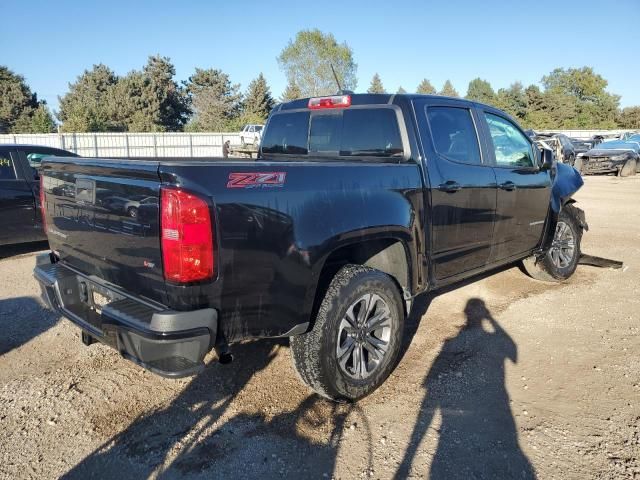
335,101
42,209
187,236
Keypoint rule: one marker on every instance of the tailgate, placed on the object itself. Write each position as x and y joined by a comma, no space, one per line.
102,219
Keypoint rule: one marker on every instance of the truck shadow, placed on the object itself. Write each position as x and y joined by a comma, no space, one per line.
477,435
21,320
220,428
7,251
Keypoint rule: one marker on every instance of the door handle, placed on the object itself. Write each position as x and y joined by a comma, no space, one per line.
508,186
449,186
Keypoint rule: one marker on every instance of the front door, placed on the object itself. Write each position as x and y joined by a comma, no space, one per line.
523,189
463,188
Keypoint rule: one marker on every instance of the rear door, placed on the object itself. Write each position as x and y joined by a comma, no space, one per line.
523,189
17,203
463,187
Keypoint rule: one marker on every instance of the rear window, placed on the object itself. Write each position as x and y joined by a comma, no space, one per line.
287,133
370,132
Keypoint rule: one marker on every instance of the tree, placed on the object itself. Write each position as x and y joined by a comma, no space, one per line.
448,90
480,90
169,99
291,92
425,88
20,110
376,85
512,100
215,100
258,101
401,90
307,62
629,117
584,91
85,107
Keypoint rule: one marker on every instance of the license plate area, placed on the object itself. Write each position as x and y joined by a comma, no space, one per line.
96,296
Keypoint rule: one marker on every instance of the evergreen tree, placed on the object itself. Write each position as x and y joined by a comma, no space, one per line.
480,91
376,85
215,100
425,88
401,90
258,101
291,92
85,107
20,110
448,90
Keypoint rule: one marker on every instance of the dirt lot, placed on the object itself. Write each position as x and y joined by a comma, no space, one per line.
502,377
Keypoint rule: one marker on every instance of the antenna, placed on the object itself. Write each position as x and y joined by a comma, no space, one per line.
336,77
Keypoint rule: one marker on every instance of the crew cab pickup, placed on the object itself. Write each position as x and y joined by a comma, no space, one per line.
357,204
19,210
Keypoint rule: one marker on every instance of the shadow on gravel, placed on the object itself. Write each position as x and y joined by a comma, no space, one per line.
466,385
22,319
189,438
7,251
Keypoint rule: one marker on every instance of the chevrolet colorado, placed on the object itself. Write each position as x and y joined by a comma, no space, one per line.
358,203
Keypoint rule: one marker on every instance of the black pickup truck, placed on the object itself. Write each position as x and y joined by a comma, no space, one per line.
19,191
357,204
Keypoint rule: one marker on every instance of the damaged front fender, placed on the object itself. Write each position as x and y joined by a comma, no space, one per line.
566,181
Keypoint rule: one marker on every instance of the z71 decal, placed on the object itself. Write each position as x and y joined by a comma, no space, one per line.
256,179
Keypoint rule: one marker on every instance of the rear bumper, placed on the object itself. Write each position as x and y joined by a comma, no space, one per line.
169,343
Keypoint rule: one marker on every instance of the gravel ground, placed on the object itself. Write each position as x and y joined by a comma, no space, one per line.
502,377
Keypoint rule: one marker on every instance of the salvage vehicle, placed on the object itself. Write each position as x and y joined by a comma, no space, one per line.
357,204
560,144
251,134
19,192
615,156
581,145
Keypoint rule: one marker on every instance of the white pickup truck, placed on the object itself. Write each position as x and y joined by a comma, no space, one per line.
251,134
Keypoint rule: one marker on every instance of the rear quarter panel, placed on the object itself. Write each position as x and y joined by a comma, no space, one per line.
273,239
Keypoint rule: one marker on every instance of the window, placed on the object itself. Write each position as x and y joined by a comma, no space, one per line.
35,159
371,132
258,128
363,132
454,134
7,171
511,146
287,133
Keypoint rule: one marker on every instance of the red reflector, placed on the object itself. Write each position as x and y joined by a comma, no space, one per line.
335,101
42,208
187,236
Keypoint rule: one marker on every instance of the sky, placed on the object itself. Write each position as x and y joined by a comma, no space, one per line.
50,43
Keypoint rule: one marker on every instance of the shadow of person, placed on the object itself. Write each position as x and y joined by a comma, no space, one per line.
466,385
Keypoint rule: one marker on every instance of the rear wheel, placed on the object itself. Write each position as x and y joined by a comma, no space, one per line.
561,260
355,340
628,169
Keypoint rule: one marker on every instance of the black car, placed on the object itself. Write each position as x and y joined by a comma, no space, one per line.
357,204
19,191
615,156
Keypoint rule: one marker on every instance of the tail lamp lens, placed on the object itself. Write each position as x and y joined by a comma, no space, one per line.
187,237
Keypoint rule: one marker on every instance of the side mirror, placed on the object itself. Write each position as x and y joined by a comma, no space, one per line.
546,159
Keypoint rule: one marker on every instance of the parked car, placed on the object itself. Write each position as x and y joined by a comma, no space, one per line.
581,145
560,144
20,219
251,134
615,156
357,204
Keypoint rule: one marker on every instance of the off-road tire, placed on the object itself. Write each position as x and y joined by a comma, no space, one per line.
314,353
577,164
628,169
543,268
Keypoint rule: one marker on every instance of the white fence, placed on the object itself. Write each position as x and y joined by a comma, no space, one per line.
131,144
